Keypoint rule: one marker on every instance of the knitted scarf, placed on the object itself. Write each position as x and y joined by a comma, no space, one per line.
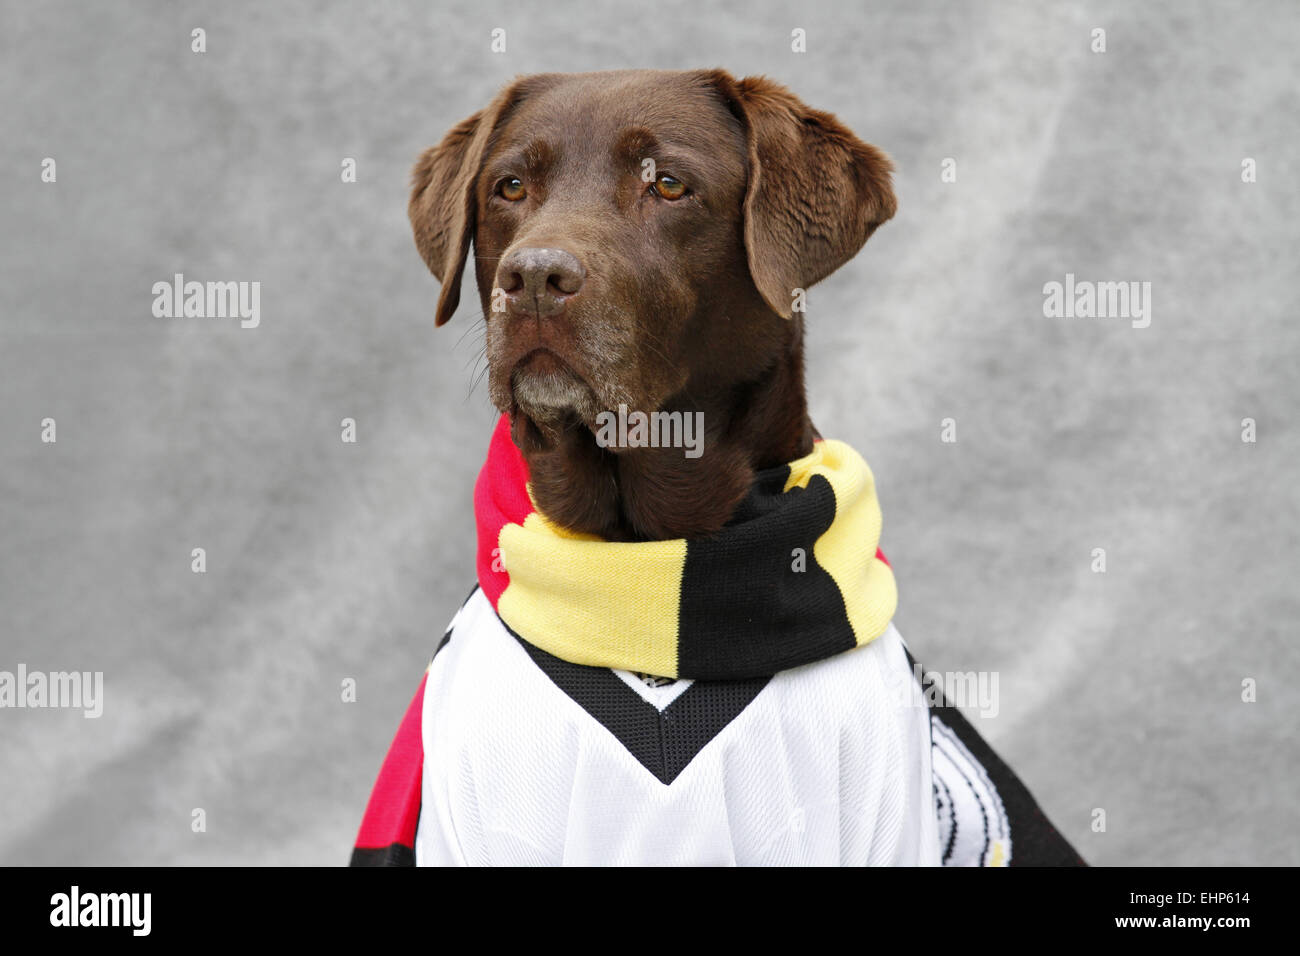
794,577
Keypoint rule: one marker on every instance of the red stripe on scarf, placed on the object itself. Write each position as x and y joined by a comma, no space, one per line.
394,807
500,498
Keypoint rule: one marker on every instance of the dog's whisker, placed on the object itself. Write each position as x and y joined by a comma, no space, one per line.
473,326
474,384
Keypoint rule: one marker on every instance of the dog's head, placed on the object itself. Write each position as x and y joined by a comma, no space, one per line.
639,234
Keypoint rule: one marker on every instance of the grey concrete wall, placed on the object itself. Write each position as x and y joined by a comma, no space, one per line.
325,561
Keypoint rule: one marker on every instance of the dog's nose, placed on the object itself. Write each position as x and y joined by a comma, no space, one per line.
540,281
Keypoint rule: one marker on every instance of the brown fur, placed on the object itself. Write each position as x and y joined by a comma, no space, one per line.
682,305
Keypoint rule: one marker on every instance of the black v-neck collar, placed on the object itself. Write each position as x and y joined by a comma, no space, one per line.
663,741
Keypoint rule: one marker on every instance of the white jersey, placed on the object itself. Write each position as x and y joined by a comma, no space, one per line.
531,760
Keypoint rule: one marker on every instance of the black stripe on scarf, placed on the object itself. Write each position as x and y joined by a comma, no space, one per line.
744,610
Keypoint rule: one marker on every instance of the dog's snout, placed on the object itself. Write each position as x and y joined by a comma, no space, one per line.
540,281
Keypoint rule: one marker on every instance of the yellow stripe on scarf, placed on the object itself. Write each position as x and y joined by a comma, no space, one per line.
590,601
848,548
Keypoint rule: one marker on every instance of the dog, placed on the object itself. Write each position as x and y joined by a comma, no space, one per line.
671,658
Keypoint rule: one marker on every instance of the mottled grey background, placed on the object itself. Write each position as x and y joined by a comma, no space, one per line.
326,560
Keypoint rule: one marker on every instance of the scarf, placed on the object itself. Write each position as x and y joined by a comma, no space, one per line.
794,577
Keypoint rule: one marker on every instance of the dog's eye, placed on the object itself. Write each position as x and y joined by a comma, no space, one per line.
511,189
667,187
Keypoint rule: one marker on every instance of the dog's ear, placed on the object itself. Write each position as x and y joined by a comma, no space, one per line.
443,205
815,194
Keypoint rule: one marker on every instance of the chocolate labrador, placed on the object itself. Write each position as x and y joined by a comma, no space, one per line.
641,238
671,657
